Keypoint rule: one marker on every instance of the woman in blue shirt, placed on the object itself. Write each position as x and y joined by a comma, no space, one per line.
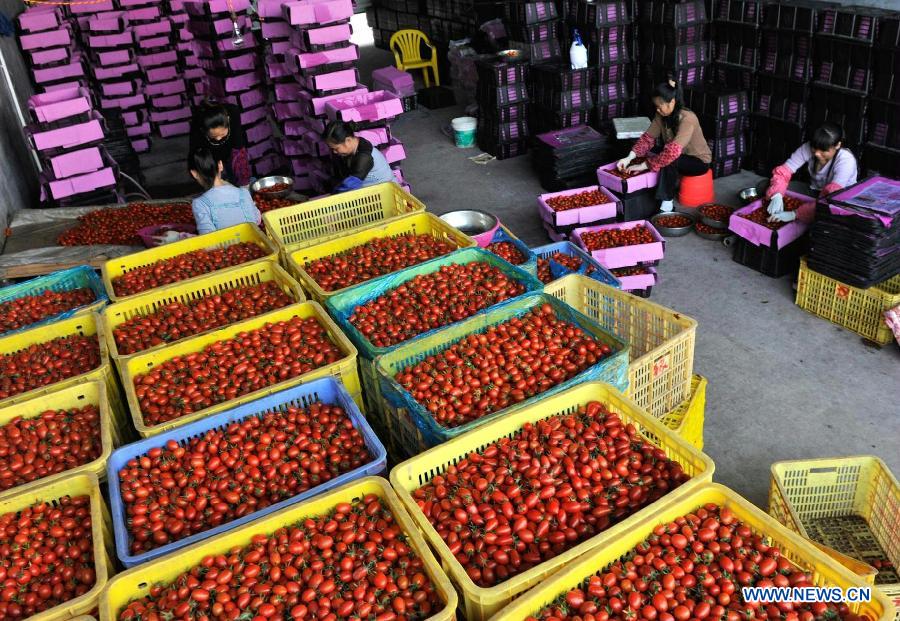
357,163
222,205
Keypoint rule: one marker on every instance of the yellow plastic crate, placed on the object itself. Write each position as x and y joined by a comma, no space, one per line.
420,224
662,340
861,569
863,486
137,582
219,239
82,484
217,282
858,310
317,220
687,419
479,603
823,569
78,396
344,370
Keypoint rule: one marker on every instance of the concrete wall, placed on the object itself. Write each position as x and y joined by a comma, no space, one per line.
881,4
18,176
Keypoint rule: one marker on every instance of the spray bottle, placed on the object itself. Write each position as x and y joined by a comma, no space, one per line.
578,56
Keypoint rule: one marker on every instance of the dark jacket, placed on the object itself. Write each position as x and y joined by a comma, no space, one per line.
232,152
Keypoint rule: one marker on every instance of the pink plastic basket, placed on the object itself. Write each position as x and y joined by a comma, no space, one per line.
759,235
639,281
624,256
625,186
582,215
375,106
149,232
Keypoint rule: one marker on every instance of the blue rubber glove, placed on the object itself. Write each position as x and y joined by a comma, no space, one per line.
776,204
783,216
350,183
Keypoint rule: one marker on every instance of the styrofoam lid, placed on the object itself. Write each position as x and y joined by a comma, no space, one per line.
631,127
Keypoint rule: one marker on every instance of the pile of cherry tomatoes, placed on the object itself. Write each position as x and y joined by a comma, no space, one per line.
635,270
430,301
720,213
674,221
624,174
588,198
566,260
229,473
185,266
178,320
119,225
46,363
30,309
614,238
520,501
508,252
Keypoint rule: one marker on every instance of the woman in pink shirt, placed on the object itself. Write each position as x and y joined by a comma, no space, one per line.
831,167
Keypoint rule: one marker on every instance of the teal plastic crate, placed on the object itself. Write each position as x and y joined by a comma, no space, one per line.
412,424
63,280
530,264
342,305
558,270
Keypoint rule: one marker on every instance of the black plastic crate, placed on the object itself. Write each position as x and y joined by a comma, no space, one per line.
560,77
718,102
772,143
503,150
886,74
498,73
782,99
796,16
731,76
606,36
503,132
786,55
640,205
544,51
728,147
600,14
613,91
714,128
613,73
678,15
495,97
884,123
604,113
545,120
749,12
533,33
887,36
736,45
770,261
677,57
845,109
726,167
530,12
843,64
566,101
609,53
662,35
506,114
879,160
410,103
852,22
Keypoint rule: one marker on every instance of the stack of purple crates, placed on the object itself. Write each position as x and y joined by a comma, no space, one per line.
276,41
881,154
736,43
674,40
561,97
606,29
50,49
503,97
535,28
400,84
724,115
232,71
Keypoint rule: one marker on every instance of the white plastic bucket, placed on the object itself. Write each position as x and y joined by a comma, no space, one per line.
464,131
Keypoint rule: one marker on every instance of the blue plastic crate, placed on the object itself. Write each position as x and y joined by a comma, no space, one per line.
63,280
325,390
557,270
530,264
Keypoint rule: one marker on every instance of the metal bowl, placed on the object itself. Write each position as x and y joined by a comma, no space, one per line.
677,231
268,182
716,224
472,222
714,236
748,195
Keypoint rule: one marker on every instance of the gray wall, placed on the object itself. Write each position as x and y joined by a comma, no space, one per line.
18,177
882,4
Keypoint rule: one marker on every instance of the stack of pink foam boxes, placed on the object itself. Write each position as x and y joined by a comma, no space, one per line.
51,49
399,84
232,71
67,133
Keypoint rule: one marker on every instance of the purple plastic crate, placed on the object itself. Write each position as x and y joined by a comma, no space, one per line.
759,235
316,13
235,64
124,103
120,89
162,74
203,8
286,92
639,282
38,18
582,215
299,61
245,101
178,128
47,39
154,43
137,131
259,150
378,136
253,115
270,10
287,110
374,106
80,184
114,41
275,29
225,46
120,72
268,164
394,152
625,186
624,256
328,35
316,106
163,89
111,23
144,14
148,61
233,84
50,56
259,132
92,7
72,70
54,111
114,57
330,83
155,29
77,162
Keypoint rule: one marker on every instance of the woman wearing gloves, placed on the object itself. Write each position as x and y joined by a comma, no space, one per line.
830,168
684,151
358,164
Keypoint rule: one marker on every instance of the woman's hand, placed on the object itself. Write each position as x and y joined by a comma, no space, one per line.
776,205
623,163
637,168
783,216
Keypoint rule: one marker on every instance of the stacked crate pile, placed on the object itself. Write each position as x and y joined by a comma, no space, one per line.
561,97
275,32
724,115
674,42
736,43
882,151
503,98
534,27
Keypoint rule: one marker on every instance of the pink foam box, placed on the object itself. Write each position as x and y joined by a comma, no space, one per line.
292,148
583,215
120,89
329,82
217,27
194,73
109,23
140,145
277,71
328,35
153,43
166,89
79,184
50,112
237,64
259,132
170,116
203,8
61,86
309,60
316,105
286,92
624,256
639,282
38,18
393,79
166,102
374,106
124,103
250,99
61,72
270,9
179,128
159,59
92,7
625,186
276,29
106,74
281,48
60,37
302,13
295,129
234,84
394,152
259,150
144,14
77,162
376,136
759,235
50,56
114,57
287,110
139,130
124,39
153,29
162,74
249,117
301,166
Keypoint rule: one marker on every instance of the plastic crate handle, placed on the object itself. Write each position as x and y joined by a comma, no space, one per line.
824,476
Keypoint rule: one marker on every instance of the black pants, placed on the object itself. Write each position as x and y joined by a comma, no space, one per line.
670,176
